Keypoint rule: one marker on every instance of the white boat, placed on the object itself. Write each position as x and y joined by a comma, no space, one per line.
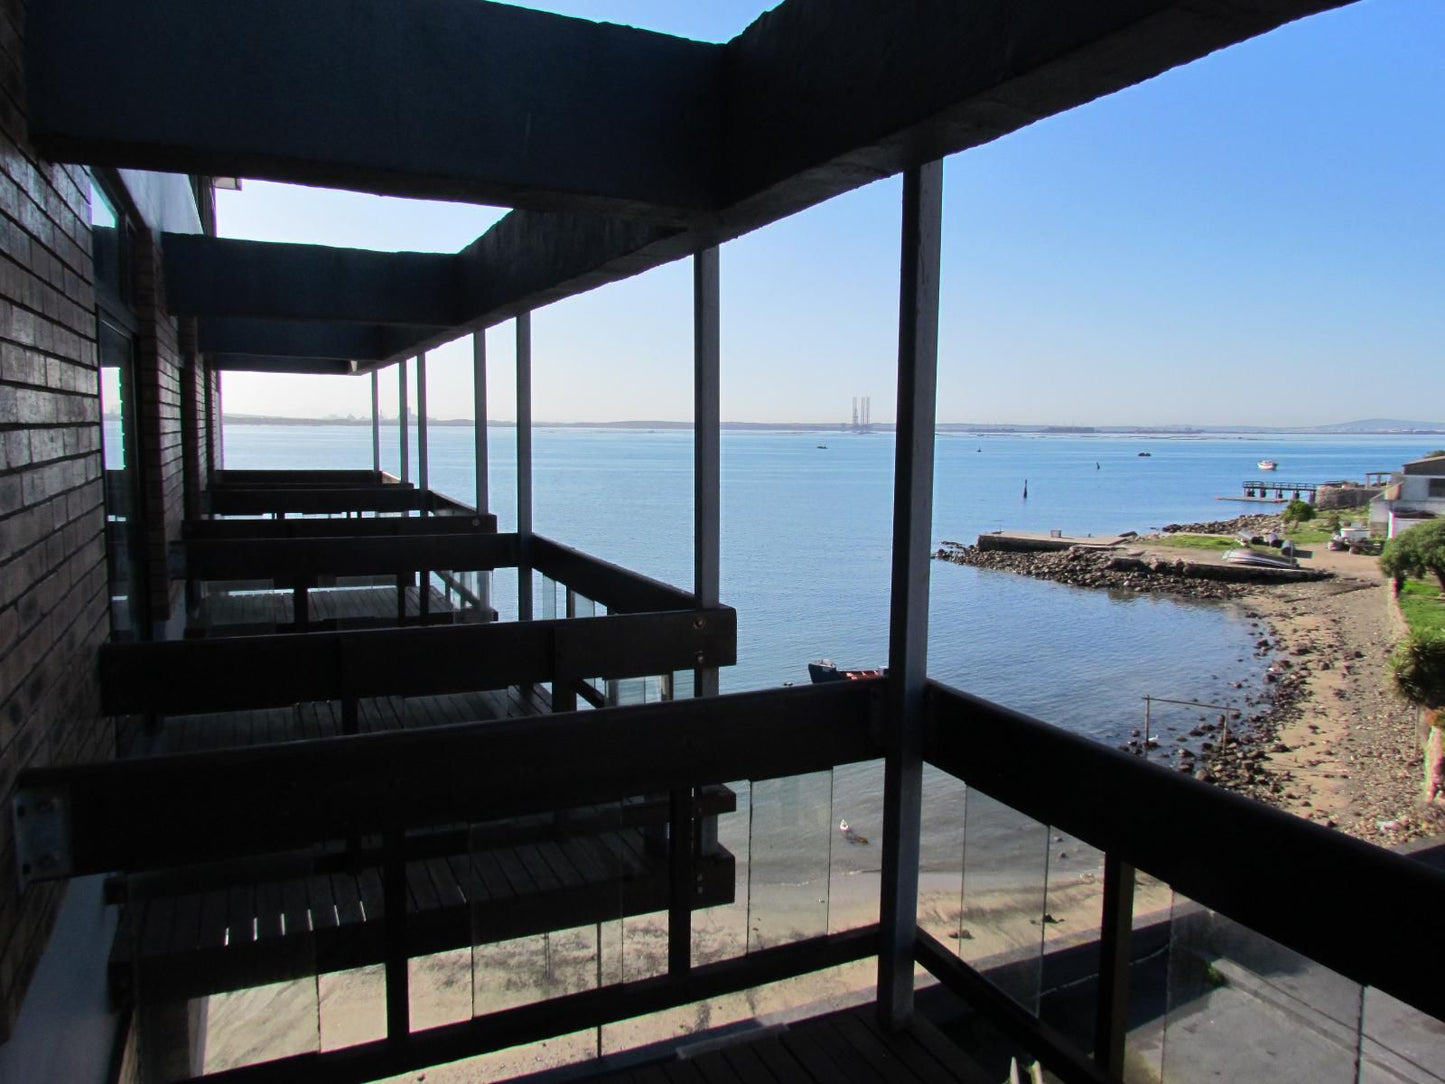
1267,464
1259,559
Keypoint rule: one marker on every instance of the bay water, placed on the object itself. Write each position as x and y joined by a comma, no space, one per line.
805,562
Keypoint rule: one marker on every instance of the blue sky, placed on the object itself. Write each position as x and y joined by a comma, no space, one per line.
1255,238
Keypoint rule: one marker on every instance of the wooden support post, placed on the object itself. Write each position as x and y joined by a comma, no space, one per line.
422,480
524,466
393,889
1111,1023
401,412
706,446
300,606
908,607
375,421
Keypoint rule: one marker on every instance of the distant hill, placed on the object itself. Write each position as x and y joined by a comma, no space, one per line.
1366,425
1381,425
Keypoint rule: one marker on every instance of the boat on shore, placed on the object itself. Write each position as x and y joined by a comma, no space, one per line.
1259,558
827,670
1267,464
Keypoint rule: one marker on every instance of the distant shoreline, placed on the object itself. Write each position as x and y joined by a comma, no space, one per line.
1434,429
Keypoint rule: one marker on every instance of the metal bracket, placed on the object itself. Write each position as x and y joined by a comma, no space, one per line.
41,817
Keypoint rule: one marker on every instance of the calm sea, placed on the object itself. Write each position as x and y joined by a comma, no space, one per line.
805,543
805,550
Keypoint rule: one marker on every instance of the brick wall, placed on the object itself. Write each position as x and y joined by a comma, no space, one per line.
158,381
53,597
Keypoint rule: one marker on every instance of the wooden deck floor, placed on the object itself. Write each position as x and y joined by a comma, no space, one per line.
847,1046
322,719
269,929
338,607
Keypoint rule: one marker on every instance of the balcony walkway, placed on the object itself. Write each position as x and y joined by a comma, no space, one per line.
839,1047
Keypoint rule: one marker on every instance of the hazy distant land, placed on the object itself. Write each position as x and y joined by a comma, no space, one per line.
1367,426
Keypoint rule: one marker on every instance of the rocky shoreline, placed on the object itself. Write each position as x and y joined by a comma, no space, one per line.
1324,737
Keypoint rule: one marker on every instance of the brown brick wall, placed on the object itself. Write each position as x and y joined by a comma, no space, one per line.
158,381
53,604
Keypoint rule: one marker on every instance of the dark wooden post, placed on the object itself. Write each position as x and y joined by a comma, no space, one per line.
908,609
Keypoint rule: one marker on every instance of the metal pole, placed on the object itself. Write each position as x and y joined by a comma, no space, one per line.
706,427
421,472
375,421
908,606
524,466
479,398
405,444
479,402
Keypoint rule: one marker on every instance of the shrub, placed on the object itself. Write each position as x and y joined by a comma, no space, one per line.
1418,668
1416,552
1298,511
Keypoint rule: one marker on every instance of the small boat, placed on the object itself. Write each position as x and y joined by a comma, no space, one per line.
1267,464
1145,455
1259,559
826,670
822,446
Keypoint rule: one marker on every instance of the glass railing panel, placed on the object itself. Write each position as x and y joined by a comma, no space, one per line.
856,854
1400,1043
1005,879
546,603
352,1006
1074,910
1148,979
940,866
221,973
547,894
790,839
1244,1007
720,925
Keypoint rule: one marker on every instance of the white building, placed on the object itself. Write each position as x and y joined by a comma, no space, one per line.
1415,494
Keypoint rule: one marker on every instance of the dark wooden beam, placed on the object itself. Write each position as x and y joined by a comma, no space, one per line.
263,363
156,812
558,1015
307,338
443,99
214,276
239,673
619,589
290,558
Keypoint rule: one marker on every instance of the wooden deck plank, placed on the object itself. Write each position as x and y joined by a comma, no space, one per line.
516,873
779,1061
467,878
373,896
321,902
348,900
743,1057
824,1064
421,895
954,1061
530,855
449,892
562,867
713,1068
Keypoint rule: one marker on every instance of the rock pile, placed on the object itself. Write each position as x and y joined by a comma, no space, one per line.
1084,567
1254,524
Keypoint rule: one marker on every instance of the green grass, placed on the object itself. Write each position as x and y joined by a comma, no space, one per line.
1422,606
1195,542
1309,533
